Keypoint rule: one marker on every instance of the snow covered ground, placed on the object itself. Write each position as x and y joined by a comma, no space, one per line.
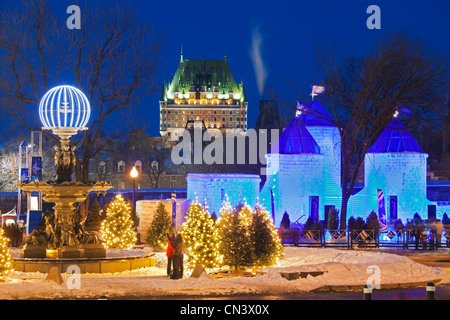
342,267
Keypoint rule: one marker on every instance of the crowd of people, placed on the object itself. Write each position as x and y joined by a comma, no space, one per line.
426,234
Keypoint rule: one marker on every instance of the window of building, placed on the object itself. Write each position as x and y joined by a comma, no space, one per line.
138,165
102,167
173,183
121,166
231,118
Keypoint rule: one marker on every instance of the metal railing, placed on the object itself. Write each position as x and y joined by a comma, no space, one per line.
402,239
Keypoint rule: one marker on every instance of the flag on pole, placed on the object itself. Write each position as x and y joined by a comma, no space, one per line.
174,208
381,211
316,90
272,206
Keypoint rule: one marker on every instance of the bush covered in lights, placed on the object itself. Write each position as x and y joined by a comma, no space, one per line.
240,238
267,245
160,226
235,238
117,230
248,237
200,237
5,255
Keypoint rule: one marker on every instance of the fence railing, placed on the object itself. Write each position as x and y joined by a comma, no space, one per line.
404,239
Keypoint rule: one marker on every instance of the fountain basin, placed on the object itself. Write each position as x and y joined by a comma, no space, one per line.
108,264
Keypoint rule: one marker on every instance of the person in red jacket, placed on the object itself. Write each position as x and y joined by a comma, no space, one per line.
169,254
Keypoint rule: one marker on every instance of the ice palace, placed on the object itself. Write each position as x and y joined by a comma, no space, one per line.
303,175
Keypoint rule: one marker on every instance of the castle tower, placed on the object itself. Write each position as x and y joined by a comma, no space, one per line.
294,175
397,165
319,123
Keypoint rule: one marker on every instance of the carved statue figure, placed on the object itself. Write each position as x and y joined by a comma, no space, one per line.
85,237
65,157
37,237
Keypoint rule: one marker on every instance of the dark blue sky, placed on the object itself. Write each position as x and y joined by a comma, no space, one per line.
289,30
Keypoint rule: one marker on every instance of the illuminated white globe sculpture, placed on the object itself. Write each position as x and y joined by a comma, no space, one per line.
65,110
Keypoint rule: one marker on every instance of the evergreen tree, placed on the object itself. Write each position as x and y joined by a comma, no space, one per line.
372,222
160,226
236,244
267,245
117,230
333,219
445,219
200,237
285,221
94,218
417,219
5,255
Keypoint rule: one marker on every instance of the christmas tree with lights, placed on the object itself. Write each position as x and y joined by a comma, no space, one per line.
5,255
267,245
117,230
200,237
235,243
160,226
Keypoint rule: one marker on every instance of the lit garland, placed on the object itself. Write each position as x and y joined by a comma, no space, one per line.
5,255
200,237
117,230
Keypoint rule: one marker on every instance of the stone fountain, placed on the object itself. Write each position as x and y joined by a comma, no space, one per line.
64,110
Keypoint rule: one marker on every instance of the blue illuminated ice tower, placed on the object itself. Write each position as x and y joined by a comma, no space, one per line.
295,173
396,165
321,126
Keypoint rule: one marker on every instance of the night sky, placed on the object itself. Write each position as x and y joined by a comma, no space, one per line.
289,32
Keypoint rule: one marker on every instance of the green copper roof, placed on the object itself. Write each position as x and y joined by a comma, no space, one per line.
195,75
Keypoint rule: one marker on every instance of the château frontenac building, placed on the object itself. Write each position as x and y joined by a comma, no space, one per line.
202,93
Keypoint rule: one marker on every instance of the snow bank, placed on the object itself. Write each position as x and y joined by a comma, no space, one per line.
342,267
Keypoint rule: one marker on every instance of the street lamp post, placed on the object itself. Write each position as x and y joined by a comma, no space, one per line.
134,173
